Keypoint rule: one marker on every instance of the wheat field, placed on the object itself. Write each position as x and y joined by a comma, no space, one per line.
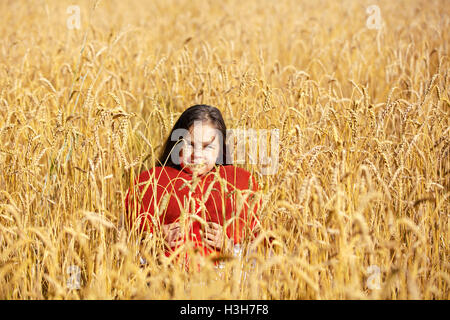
359,203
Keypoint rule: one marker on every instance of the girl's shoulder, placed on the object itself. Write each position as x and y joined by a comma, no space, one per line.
160,174
238,176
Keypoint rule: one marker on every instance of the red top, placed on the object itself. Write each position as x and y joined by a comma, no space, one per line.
175,187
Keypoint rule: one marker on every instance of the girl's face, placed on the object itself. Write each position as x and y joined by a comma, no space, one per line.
201,148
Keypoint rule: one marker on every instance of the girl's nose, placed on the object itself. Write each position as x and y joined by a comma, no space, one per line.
198,156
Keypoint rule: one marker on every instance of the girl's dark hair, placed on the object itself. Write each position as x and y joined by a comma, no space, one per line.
199,112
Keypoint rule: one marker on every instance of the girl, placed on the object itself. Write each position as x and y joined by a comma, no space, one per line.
194,175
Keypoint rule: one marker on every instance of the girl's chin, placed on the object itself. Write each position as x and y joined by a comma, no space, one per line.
195,168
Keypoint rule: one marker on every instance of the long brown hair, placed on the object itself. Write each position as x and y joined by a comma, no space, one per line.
199,112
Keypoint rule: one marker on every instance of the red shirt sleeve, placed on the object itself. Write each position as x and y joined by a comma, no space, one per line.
142,198
135,213
244,226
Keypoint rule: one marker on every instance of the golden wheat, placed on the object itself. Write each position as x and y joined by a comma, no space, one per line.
362,182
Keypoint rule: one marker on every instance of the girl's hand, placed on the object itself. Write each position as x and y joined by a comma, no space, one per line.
214,236
172,234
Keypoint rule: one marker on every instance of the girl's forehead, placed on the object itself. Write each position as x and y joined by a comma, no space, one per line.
202,132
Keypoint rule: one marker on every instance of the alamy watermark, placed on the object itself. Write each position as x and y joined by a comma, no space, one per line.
74,19
374,20
373,282
241,143
74,280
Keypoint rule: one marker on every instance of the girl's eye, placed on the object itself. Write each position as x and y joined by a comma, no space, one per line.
210,146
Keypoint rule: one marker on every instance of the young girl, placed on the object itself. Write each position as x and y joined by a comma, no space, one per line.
194,175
